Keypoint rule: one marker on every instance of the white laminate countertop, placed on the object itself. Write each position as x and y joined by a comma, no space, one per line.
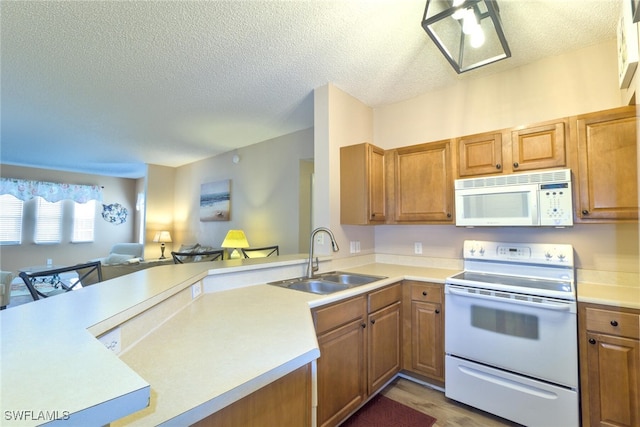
218,349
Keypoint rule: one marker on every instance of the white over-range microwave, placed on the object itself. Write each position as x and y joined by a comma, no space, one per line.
537,199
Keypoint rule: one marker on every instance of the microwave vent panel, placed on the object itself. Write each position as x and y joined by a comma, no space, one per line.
561,175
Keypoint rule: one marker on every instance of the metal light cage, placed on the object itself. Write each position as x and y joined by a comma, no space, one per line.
446,32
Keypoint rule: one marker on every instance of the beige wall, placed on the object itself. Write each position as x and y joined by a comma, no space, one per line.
578,82
340,120
116,190
265,194
160,192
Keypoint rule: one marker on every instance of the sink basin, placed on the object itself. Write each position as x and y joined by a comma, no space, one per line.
349,278
317,286
327,283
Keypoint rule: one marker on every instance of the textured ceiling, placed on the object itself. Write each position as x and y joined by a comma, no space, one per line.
105,86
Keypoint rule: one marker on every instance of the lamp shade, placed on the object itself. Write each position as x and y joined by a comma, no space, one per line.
468,32
235,239
162,237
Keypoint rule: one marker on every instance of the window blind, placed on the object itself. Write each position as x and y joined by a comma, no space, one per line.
48,222
84,215
10,220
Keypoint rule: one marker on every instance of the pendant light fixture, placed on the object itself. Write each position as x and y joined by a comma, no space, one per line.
467,32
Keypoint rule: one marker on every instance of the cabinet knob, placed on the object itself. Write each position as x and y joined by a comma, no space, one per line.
498,166
516,164
373,321
592,341
614,323
364,325
585,212
448,214
424,293
437,311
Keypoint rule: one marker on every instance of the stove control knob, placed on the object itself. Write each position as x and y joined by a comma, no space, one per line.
472,251
561,257
481,251
548,255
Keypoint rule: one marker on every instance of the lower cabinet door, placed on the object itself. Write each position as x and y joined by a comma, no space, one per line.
384,346
426,339
614,380
342,383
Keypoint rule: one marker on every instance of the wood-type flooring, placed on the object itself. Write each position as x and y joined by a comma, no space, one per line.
448,413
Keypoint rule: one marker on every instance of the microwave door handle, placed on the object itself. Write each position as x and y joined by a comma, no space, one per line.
554,307
536,210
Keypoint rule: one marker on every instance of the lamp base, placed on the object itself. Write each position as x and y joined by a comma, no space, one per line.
234,254
162,252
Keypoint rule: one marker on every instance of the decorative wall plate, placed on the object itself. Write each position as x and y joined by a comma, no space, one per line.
114,213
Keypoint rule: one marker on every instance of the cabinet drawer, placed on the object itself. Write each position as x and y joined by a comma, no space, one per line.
426,293
332,316
613,322
384,297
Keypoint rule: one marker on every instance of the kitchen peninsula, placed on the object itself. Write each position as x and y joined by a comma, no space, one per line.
185,356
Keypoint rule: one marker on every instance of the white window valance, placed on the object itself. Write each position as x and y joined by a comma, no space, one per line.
50,191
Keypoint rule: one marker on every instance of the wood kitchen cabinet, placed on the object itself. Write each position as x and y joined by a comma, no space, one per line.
384,336
362,185
423,183
609,342
359,341
607,165
423,330
520,149
285,402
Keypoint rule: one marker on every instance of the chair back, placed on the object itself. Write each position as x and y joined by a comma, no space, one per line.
262,252
187,257
47,283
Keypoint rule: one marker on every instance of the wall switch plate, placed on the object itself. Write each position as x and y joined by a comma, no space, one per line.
357,246
112,340
417,248
196,290
352,247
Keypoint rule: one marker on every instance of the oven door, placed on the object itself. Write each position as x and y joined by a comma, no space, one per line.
532,336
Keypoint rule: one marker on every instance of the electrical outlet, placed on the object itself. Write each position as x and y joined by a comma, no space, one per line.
352,247
357,246
196,290
417,248
320,238
112,340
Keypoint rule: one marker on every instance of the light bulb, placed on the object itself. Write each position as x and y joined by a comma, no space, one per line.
469,22
477,37
458,14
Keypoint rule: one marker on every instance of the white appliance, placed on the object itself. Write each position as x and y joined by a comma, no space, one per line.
511,333
524,199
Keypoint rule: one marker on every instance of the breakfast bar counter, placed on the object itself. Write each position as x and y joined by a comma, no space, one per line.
219,337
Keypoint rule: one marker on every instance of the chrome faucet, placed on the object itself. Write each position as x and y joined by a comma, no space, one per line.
310,267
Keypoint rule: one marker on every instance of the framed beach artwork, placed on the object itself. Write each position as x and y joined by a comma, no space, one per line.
215,201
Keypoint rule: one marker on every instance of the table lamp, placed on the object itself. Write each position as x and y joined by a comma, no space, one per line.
162,237
235,239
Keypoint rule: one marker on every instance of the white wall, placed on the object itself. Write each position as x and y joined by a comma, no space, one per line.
265,194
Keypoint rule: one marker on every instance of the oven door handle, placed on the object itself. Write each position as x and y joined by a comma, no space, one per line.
555,307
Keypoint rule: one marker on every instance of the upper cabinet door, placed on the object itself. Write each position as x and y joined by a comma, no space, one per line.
539,147
480,154
362,185
607,165
423,183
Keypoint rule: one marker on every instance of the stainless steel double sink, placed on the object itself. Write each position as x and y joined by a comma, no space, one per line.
327,283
